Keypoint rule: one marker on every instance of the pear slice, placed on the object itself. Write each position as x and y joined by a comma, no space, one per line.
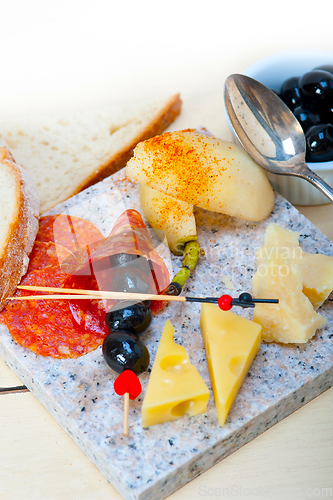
171,219
204,171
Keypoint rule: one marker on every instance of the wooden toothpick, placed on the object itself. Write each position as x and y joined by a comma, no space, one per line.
126,410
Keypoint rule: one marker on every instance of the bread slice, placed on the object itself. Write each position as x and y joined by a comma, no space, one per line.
66,154
18,223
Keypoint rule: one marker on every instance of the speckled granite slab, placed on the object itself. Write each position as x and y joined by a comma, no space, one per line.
152,463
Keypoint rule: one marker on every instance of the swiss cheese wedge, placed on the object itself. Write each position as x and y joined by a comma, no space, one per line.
231,344
175,386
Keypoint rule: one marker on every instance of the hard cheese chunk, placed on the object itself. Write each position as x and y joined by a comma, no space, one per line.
316,269
175,386
171,219
204,171
293,319
231,344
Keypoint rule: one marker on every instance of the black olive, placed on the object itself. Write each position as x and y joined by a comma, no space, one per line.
307,117
310,98
131,316
316,88
130,280
319,141
289,92
121,259
245,297
326,67
327,114
130,260
123,351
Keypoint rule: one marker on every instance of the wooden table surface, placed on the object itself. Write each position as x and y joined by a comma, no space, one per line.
55,56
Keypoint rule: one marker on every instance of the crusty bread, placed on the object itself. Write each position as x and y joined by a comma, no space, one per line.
18,223
65,154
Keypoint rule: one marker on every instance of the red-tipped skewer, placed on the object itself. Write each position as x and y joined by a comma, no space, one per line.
225,302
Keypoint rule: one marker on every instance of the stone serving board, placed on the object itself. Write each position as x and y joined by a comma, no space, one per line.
152,463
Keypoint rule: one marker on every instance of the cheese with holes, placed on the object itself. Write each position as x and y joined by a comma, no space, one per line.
231,344
175,386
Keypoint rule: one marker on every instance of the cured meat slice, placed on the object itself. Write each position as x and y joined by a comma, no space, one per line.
49,326
46,254
128,236
71,328
88,314
67,230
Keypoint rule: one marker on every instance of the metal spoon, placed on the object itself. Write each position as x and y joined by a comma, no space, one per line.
268,130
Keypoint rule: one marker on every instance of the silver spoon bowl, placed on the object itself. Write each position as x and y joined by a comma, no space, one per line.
268,130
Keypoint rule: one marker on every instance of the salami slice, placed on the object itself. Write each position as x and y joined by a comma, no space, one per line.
67,230
46,254
71,328
49,326
53,327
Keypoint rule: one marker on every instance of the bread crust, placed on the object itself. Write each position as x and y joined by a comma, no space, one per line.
166,116
14,257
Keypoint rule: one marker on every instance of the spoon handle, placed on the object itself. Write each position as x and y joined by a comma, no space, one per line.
317,181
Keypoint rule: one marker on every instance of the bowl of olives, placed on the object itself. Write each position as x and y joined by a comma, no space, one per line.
303,79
